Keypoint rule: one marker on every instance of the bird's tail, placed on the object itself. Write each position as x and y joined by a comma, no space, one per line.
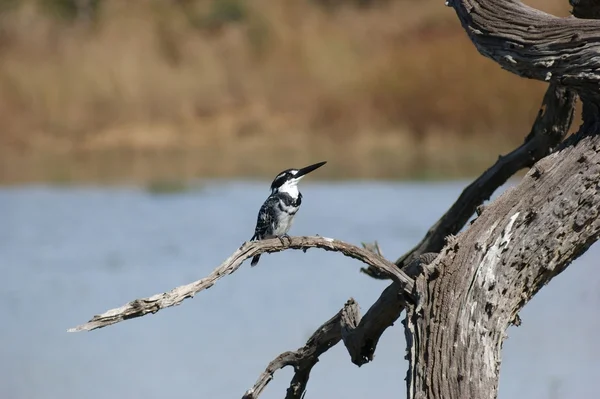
257,257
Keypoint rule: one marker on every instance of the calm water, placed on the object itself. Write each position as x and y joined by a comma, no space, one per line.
69,253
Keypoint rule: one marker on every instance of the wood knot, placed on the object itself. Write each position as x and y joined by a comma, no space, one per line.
451,243
516,321
530,216
479,210
536,172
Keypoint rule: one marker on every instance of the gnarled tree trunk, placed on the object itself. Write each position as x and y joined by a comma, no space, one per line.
470,294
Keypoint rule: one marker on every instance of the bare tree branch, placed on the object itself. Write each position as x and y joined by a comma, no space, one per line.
360,336
303,360
362,341
549,129
153,304
534,44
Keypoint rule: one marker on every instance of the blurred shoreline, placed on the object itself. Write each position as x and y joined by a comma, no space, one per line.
390,157
146,90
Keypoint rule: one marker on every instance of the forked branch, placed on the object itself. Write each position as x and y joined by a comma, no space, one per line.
549,129
303,360
359,334
143,306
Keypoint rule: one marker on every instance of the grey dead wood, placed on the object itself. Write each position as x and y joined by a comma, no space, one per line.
489,272
303,360
550,127
534,44
359,334
531,233
153,304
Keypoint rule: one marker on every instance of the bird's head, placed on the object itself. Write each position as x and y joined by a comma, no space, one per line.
287,181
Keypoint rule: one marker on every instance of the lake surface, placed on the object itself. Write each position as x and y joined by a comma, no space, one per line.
69,253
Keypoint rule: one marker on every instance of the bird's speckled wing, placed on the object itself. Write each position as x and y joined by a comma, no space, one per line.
266,218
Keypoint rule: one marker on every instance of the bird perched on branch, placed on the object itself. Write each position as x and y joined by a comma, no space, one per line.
277,213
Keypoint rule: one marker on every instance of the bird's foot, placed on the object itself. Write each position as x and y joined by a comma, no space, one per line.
281,237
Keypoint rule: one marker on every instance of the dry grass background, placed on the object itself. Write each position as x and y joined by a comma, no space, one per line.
140,90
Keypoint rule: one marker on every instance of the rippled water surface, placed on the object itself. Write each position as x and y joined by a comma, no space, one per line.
69,253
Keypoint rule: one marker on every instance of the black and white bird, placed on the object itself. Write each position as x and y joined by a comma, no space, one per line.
276,215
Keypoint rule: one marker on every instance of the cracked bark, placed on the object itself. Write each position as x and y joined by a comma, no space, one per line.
534,44
531,233
487,274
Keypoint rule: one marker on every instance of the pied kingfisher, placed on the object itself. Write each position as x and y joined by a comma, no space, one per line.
277,213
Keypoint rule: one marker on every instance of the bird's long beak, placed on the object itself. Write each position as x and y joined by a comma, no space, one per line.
309,169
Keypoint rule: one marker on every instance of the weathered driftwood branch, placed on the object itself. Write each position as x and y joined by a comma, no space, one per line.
303,360
485,275
549,129
362,341
359,334
153,304
534,44
520,242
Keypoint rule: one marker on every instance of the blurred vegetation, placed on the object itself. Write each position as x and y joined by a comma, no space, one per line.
170,89
162,187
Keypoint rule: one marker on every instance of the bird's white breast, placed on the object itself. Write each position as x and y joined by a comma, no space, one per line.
285,218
